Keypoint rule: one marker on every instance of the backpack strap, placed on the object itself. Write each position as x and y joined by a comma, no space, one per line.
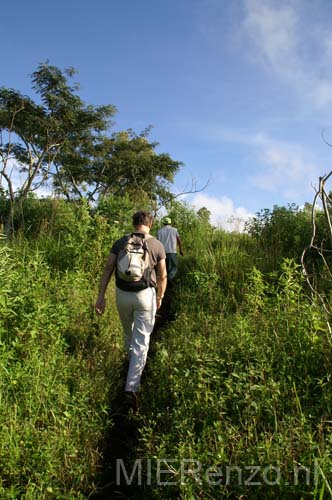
144,236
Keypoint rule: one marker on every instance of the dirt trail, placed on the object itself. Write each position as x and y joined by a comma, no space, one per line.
121,441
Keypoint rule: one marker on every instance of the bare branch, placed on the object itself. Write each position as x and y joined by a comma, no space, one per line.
193,189
185,191
310,277
324,139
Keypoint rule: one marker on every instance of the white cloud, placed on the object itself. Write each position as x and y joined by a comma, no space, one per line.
280,166
223,212
273,31
286,167
280,39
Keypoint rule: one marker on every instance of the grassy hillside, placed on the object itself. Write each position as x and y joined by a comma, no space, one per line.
236,399
239,403
59,365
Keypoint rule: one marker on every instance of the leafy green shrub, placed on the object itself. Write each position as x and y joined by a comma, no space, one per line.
284,232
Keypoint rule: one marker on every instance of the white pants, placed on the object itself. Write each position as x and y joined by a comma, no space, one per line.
137,312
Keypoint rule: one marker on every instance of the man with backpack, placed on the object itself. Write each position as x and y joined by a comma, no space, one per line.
138,260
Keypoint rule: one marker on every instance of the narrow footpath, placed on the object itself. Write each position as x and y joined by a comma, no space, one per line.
122,438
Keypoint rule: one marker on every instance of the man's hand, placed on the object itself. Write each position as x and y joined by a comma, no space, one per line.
161,280
181,253
108,271
100,305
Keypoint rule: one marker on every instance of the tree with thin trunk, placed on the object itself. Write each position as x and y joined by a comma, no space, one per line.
34,135
60,142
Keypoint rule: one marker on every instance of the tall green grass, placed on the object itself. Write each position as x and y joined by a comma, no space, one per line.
241,380
59,369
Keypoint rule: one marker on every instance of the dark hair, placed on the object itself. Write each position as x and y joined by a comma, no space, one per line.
142,218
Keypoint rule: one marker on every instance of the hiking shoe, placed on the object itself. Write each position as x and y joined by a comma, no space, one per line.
130,400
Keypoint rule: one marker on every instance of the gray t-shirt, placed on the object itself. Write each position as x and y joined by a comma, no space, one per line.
156,253
168,236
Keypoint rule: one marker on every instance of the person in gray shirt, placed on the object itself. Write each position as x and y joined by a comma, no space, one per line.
169,237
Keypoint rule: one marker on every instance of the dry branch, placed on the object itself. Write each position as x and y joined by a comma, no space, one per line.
319,248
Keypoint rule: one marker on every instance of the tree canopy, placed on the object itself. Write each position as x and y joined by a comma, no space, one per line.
59,141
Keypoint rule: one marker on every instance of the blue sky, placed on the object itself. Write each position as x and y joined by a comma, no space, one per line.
238,90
